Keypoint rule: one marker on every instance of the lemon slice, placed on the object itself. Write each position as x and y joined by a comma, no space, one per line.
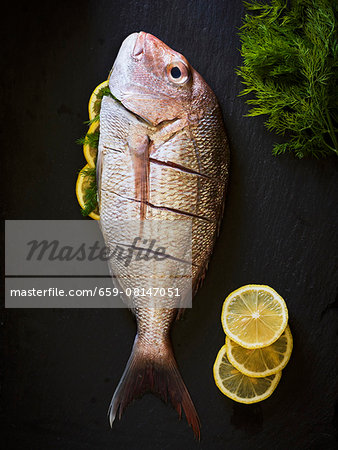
254,316
239,387
95,100
81,185
90,151
261,362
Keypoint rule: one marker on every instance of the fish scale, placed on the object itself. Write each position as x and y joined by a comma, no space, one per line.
162,171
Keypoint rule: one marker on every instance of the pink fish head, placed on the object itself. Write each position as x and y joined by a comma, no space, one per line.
157,83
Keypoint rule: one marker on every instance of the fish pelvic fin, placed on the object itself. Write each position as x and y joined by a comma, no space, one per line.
155,372
139,147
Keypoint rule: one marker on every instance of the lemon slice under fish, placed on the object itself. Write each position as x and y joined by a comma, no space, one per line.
254,316
95,100
90,151
81,187
239,387
261,362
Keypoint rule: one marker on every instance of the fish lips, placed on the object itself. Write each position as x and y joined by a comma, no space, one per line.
139,46
121,75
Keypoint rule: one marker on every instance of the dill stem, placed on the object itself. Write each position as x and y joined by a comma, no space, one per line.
332,133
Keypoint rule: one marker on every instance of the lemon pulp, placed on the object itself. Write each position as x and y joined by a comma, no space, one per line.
261,362
240,387
254,316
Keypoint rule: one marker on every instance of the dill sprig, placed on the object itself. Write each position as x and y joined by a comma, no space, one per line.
92,139
290,64
104,91
90,195
95,119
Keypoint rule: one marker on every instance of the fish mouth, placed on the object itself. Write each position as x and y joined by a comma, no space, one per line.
142,38
132,51
139,46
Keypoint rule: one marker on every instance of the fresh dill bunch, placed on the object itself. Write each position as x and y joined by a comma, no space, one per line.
90,194
289,70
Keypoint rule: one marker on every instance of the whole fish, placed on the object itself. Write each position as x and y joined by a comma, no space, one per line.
162,168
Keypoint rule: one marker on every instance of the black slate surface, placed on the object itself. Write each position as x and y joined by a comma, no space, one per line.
62,366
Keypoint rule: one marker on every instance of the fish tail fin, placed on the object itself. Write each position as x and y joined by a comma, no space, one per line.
155,372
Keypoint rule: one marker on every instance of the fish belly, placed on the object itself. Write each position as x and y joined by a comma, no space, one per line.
187,179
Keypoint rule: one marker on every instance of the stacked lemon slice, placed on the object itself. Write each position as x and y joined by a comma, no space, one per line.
258,344
85,179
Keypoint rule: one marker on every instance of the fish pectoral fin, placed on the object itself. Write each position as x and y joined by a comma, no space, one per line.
139,146
153,371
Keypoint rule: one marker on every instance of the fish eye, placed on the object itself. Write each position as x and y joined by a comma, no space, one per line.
178,72
175,72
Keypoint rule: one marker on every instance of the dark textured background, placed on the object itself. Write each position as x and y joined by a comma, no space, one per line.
62,366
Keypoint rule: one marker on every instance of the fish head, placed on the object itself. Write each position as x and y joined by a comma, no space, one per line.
155,82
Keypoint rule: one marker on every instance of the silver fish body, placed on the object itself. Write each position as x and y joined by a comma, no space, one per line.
162,168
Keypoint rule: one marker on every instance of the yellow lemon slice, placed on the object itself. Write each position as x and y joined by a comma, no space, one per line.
254,316
261,362
81,186
239,387
90,151
95,100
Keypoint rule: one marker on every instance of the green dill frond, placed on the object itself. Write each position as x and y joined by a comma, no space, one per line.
104,91
289,71
92,139
90,172
90,195
96,119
